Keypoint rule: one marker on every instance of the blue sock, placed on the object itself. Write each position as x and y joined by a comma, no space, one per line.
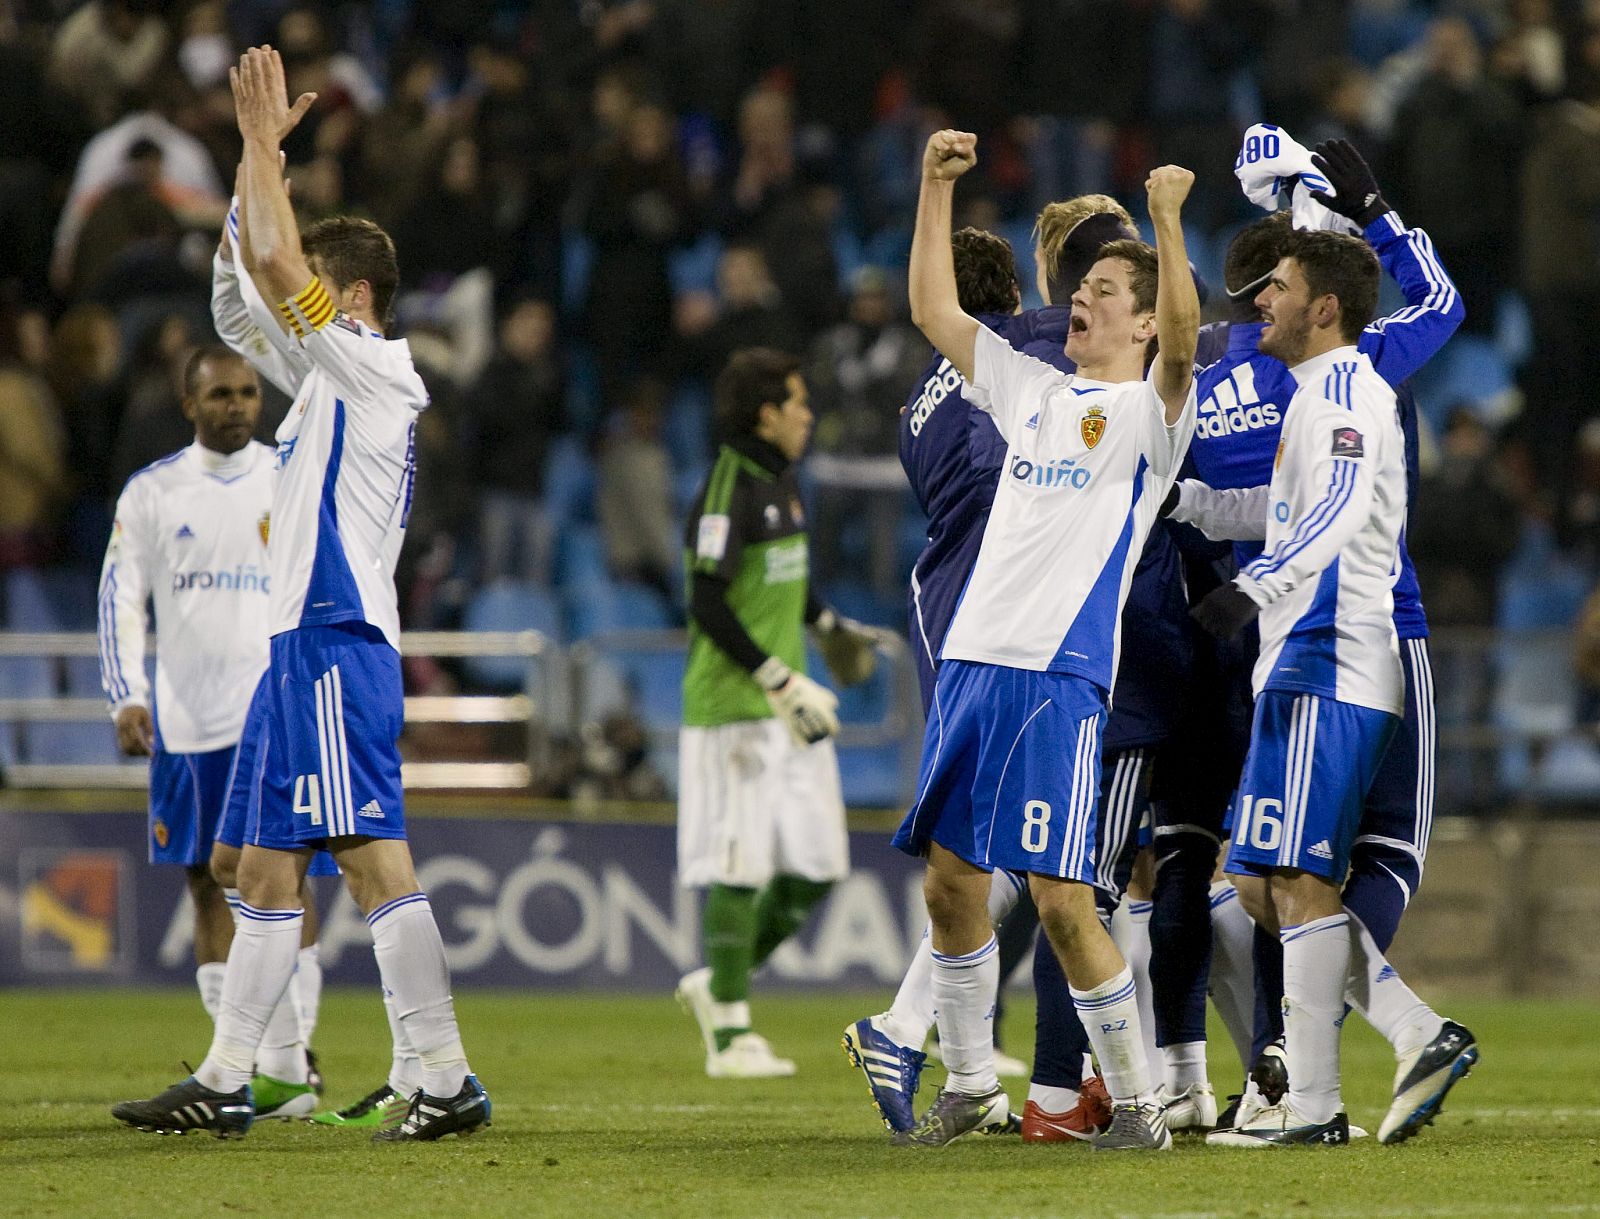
1269,992
1180,936
1059,1042
1382,880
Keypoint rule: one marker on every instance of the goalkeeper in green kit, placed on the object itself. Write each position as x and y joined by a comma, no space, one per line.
760,813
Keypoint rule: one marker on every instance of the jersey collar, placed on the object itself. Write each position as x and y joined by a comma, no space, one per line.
226,466
1309,370
763,454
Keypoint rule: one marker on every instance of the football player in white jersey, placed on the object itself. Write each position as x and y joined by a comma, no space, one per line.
1031,654
1329,693
191,529
331,775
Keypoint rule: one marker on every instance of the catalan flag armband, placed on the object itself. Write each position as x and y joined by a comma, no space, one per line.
309,310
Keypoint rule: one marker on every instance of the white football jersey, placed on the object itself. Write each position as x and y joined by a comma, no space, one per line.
346,458
1331,518
191,532
1087,465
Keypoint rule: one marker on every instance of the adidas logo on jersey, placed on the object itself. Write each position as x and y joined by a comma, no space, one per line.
1215,422
1050,473
1033,421
371,810
944,382
1321,850
185,534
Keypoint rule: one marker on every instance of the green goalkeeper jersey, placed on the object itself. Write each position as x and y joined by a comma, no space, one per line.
747,527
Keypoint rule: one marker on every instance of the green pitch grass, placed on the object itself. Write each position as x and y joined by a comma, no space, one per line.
601,1109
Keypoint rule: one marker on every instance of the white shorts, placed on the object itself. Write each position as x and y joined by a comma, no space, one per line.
752,805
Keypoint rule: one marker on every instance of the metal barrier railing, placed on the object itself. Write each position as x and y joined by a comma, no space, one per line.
526,708
558,698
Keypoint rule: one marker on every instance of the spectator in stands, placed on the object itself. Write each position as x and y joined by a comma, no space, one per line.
108,49
449,228
634,496
1560,233
1463,527
516,409
1530,56
85,353
130,212
770,204
749,312
636,207
32,442
152,392
1453,159
859,369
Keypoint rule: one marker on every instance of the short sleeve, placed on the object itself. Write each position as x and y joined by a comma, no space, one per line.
1009,386
1167,444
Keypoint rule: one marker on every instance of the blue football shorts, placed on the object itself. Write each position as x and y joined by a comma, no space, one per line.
187,792
1010,773
1311,762
334,710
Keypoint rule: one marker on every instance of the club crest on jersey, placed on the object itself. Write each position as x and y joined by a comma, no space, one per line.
160,833
264,526
1093,426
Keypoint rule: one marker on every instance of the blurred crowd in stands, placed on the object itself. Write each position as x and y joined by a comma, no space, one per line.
595,201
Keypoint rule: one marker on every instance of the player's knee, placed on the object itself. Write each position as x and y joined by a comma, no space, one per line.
1380,864
202,885
1184,863
1256,899
225,865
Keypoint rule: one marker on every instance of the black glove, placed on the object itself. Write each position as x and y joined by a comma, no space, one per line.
1358,197
1225,611
1171,502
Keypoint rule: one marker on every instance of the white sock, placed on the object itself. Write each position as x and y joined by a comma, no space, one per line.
964,989
259,966
1130,930
1381,995
735,1015
231,896
405,1068
306,987
910,1016
405,939
1233,970
1052,1099
282,1054
1316,960
1185,1063
1110,1015
208,978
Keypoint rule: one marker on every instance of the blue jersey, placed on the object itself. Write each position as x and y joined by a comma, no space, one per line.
1244,393
952,453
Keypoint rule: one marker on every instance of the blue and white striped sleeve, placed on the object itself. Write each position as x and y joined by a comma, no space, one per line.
1400,344
124,587
1312,540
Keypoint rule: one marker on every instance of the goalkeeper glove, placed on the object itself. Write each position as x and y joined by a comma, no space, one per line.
1356,194
849,648
807,708
1225,611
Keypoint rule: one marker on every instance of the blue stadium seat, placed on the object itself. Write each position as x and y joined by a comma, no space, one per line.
569,482
70,744
72,596
597,604
29,606
581,557
508,605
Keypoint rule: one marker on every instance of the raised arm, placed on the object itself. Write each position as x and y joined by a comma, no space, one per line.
935,307
1400,344
1177,301
273,256
237,313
